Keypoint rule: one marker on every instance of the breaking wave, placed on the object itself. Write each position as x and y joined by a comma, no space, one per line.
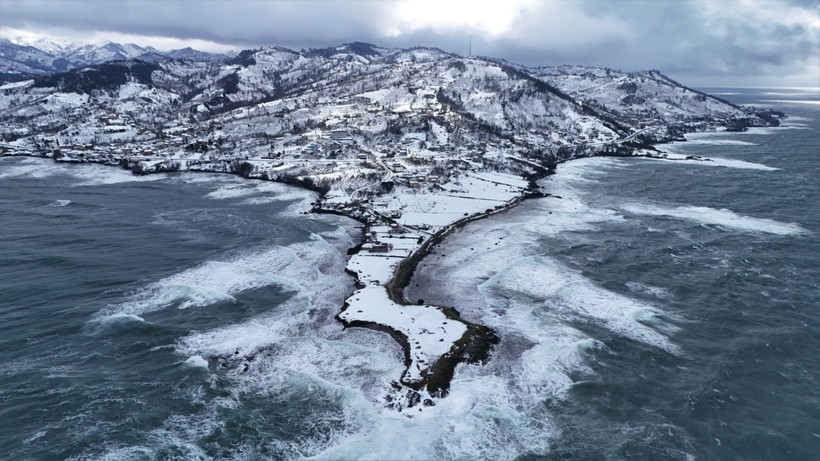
698,141
219,281
812,102
313,271
759,130
566,295
263,193
87,174
717,217
674,156
741,164
113,322
196,361
244,188
657,292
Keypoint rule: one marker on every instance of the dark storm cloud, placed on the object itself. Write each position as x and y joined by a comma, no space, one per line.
692,39
244,23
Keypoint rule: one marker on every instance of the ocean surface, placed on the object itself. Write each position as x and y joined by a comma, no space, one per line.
648,309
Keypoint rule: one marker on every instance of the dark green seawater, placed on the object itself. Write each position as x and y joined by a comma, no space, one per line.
657,310
101,276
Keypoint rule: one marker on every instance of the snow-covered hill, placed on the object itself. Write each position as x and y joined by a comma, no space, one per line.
642,99
420,102
108,51
23,60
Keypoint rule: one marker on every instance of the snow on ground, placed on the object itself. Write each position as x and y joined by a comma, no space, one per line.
471,194
430,334
12,85
60,101
373,266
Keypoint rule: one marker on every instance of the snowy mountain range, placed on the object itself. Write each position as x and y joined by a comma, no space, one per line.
25,59
387,101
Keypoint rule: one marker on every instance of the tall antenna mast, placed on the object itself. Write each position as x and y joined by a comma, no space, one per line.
470,49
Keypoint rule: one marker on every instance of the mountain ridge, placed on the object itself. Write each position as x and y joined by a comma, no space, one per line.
22,60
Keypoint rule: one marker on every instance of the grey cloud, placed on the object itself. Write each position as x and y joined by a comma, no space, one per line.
692,39
249,23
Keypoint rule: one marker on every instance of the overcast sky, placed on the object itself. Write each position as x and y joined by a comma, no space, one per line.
700,42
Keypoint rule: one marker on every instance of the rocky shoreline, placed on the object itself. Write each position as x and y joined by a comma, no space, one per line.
477,342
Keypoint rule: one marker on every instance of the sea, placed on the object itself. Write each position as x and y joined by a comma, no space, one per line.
647,309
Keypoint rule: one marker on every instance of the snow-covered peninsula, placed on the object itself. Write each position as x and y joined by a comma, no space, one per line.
411,142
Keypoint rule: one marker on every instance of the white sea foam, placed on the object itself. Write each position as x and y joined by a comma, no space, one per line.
657,292
504,269
107,322
717,142
674,156
118,454
717,217
313,271
35,436
189,177
797,91
489,273
207,284
794,124
567,295
481,419
794,118
100,175
88,175
60,203
162,443
33,168
243,188
264,192
295,350
121,317
196,361
495,411
493,274
717,138
570,212
299,353
232,191
763,130
291,196
242,340
741,164
219,281
811,102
